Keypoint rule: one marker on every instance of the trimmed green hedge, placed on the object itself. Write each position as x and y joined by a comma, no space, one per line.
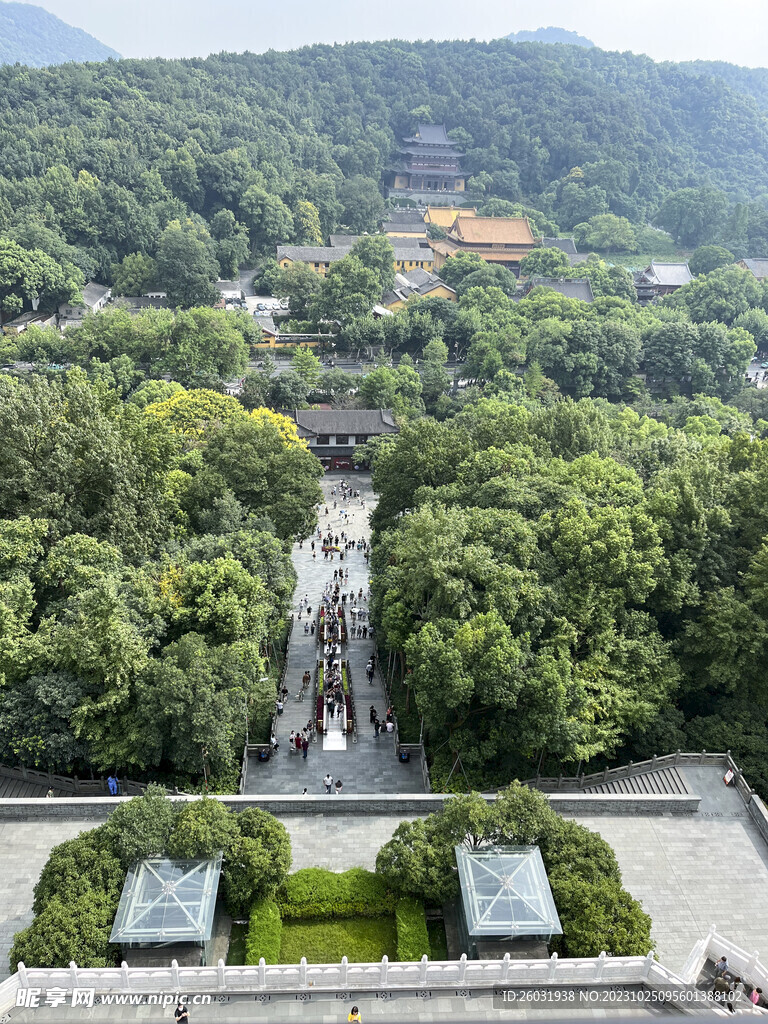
265,933
412,935
318,893
360,939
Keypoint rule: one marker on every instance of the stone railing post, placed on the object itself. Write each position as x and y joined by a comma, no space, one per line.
343,972
462,968
262,972
600,966
505,967
221,975
677,757
125,978
22,971
303,972
648,964
384,969
175,975
752,963
605,774
73,974
552,967
653,762
423,970
702,755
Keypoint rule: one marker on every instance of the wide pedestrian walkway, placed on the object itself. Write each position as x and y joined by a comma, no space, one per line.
367,764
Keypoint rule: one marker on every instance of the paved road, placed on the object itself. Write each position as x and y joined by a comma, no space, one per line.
368,765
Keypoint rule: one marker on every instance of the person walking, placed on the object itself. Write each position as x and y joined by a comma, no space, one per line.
339,786
328,782
373,714
722,964
376,727
181,1014
273,743
279,706
305,679
354,1015
304,747
297,741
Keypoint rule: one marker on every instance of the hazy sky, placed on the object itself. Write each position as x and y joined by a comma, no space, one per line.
736,31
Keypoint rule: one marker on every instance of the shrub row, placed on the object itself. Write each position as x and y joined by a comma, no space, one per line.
319,893
412,935
265,931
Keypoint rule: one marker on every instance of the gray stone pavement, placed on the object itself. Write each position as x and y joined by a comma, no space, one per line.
459,1007
368,765
24,849
695,870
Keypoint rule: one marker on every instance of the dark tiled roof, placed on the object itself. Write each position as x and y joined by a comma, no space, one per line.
313,253
93,293
431,134
403,217
414,282
139,302
758,266
344,421
566,244
667,275
347,241
578,288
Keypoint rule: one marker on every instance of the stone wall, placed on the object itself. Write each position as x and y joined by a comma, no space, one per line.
393,805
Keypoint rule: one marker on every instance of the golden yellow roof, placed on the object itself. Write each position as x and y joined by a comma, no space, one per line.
493,231
444,216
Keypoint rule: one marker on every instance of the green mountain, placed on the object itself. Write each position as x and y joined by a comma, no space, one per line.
30,35
550,35
750,81
96,159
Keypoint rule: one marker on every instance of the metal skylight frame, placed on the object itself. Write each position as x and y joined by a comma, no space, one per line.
165,901
505,892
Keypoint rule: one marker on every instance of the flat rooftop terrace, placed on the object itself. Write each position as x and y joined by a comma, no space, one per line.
688,870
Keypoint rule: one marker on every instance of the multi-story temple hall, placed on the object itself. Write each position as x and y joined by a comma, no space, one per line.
429,162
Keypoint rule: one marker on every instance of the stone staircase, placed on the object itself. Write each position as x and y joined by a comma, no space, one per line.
659,780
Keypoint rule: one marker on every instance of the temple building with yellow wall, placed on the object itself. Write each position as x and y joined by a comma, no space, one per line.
501,240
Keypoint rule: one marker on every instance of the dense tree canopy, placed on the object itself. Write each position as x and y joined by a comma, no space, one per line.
141,583
544,574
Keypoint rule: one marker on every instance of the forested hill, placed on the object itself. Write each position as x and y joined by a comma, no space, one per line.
30,35
105,155
550,35
750,81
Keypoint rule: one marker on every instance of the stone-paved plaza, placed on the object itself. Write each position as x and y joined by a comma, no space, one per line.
368,764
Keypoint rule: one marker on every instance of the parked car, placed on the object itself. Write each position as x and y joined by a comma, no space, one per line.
284,303
260,306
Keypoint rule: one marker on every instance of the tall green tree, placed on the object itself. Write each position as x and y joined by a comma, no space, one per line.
186,267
